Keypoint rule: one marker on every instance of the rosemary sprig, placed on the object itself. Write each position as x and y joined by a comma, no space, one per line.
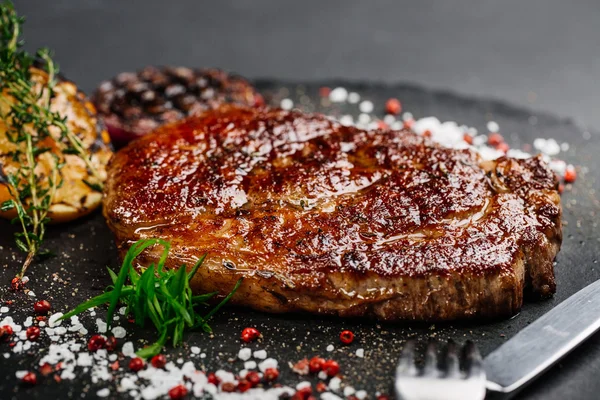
29,122
160,295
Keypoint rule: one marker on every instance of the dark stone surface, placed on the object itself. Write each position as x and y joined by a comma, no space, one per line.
85,247
539,53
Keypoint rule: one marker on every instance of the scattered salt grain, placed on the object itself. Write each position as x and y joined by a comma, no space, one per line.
360,353
286,104
84,360
322,375
119,332
244,354
361,394
122,310
493,126
338,95
260,354
303,385
330,396
268,363
101,325
330,348
364,118
28,322
349,391
55,320
60,330
366,106
103,392
346,120
225,376
195,349
21,374
335,384
3,309
353,97
250,364
128,350
31,293
25,279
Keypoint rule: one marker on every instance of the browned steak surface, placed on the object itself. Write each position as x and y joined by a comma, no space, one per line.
330,219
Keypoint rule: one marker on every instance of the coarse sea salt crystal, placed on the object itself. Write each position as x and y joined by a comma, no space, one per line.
329,396
349,391
346,120
225,376
244,354
31,293
260,354
338,95
493,126
360,353
361,394
364,118
18,347
303,385
322,375
286,104
353,97
126,384
250,364
55,320
330,348
103,392
516,153
558,166
335,384
195,349
84,360
119,332
21,374
60,330
266,364
366,106
101,325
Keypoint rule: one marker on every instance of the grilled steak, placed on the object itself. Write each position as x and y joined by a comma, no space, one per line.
335,220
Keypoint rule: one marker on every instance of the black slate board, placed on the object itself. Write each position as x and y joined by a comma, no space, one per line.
85,247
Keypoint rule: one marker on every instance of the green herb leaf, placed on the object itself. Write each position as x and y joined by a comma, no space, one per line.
158,294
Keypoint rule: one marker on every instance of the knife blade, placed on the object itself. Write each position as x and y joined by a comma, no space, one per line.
541,344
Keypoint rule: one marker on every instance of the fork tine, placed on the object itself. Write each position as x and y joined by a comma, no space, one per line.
452,363
474,360
430,368
406,364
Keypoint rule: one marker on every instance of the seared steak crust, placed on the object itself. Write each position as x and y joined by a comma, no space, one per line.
330,219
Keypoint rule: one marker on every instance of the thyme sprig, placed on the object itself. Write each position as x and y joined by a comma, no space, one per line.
29,122
160,295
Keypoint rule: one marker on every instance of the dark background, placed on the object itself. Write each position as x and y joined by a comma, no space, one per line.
542,55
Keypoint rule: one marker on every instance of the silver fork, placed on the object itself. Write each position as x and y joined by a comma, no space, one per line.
434,383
